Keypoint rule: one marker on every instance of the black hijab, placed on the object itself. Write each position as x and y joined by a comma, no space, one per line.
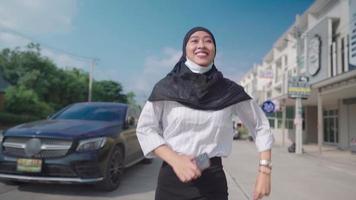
207,91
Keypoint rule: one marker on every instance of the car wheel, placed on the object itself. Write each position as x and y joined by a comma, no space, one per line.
114,171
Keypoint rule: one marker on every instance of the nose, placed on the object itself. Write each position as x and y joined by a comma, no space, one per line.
201,44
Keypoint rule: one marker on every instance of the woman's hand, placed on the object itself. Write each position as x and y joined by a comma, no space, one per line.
263,185
185,168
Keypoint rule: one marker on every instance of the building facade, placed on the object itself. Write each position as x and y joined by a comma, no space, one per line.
320,45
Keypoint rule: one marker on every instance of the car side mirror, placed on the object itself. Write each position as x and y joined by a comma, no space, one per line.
129,122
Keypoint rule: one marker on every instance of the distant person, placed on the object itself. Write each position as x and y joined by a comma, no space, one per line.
237,130
188,115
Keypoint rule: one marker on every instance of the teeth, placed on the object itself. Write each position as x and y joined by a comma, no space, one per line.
201,54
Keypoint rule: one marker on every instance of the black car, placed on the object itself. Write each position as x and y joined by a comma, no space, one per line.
82,143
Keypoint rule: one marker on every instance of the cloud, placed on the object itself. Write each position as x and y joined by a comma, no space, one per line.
10,40
20,18
38,16
64,60
155,68
232,68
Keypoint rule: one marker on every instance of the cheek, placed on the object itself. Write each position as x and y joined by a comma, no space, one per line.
212,52
189,51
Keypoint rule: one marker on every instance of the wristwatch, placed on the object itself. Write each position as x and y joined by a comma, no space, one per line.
266,163
265,170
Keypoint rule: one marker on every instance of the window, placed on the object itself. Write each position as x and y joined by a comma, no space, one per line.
271,122
269,94
331,126
342,55
276,121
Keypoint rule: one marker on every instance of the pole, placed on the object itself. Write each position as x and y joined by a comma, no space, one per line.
298,126
91,80
298,121
320,122
284,123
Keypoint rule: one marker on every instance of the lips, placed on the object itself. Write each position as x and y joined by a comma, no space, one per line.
201,53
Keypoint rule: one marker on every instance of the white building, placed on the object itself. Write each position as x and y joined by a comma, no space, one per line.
327,55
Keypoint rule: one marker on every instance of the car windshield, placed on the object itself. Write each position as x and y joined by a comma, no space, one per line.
93,112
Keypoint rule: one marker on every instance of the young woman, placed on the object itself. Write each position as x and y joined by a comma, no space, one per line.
188,114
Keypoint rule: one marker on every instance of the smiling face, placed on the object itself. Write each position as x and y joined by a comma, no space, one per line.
200,48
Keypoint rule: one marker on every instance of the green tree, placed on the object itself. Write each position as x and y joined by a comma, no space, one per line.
20,100
108,91
38,84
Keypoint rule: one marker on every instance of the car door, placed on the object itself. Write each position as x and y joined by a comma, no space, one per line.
133,148
132,122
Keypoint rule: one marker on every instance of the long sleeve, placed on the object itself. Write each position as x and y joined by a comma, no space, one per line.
149,130
256,121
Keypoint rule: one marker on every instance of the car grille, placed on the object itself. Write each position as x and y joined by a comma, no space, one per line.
49,148
88,169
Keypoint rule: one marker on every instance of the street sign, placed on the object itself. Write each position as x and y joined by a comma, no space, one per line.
299,87
268,106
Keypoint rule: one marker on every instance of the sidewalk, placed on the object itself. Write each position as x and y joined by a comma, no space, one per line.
329,176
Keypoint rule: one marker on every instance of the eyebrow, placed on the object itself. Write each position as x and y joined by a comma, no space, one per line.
206,36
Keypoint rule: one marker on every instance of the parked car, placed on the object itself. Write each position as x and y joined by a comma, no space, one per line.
82,143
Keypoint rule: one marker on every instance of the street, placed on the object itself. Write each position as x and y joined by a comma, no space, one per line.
295,177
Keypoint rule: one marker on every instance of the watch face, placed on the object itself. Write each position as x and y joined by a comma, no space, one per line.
314,55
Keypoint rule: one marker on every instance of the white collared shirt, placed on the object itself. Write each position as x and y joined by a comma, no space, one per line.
193,132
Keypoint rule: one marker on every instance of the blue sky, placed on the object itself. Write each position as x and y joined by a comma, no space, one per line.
137,42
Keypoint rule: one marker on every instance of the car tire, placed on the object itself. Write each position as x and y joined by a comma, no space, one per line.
114,171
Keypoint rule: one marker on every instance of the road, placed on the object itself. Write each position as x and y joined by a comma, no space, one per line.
295,177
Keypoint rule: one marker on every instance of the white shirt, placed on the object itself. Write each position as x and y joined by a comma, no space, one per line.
193,132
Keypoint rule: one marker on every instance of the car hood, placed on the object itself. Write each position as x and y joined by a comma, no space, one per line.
61,128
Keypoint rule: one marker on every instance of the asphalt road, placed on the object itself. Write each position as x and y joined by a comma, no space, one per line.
294,177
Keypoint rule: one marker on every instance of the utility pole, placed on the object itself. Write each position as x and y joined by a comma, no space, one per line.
92,65
298,120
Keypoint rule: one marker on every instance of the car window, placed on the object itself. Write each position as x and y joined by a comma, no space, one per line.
93,112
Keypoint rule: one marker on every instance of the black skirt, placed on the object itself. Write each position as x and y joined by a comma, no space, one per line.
211,185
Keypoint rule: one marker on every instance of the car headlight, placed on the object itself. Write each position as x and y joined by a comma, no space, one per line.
91,144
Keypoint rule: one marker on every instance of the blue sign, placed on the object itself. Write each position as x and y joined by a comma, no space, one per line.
268,106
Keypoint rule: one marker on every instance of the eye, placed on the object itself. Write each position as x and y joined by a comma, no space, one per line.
209,41
194,41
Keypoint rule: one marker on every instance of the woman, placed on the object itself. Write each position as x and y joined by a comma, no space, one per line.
188,114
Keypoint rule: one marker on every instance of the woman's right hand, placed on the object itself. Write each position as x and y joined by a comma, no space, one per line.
185,168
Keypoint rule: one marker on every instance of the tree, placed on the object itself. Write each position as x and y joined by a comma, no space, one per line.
108,91
39,84
20,100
